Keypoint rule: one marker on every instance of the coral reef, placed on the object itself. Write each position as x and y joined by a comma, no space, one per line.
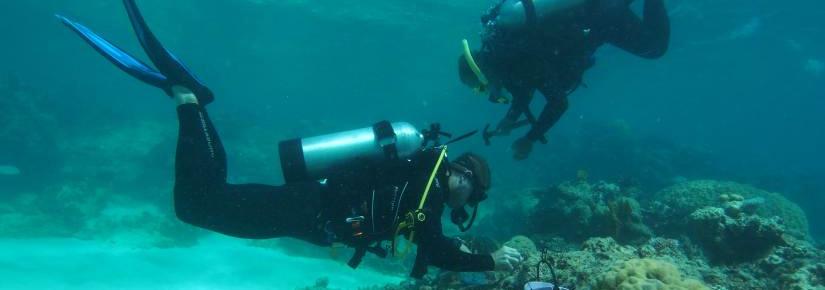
602,263
580,210
642,274
669,211
732,236
734,239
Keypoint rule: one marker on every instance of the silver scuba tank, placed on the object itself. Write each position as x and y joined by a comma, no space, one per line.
315,158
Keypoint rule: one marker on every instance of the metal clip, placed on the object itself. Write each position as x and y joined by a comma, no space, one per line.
355,219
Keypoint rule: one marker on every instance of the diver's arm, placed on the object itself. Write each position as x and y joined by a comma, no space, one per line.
513,15
496,92
552,112
438,250
519,104
445,254
648,37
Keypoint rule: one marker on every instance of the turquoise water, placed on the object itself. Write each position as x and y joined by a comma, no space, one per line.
740,96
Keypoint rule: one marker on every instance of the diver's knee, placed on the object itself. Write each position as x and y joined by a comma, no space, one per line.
187,209
187,213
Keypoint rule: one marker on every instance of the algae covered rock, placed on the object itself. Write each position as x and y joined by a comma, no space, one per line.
523,244
580,210
582,267
646,274
807,277
735,239
671,207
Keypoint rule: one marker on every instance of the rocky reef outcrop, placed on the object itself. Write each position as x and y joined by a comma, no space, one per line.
579,210
734,239
668,211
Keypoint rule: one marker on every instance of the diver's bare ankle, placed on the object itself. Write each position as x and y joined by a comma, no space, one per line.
184,96
186,99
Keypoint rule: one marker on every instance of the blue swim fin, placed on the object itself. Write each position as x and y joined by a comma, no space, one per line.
170,70
164,60
117,56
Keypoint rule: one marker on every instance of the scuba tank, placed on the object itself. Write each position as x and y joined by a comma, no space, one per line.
314,158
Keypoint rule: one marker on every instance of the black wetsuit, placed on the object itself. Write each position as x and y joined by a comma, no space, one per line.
312,211
551,55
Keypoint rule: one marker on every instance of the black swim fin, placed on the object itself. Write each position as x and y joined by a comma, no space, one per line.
170,70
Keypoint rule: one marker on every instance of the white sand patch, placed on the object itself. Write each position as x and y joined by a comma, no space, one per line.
216,263
9,170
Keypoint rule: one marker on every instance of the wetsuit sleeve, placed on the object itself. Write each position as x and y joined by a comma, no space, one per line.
438,250
521,102
556,106
203,197
648,37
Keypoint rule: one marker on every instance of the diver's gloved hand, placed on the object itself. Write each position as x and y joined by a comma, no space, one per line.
522,148
506,258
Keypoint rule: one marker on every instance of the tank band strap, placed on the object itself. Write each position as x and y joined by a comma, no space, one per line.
385,135
293,163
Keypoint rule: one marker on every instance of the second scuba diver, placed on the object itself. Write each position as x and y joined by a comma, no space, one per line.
547,45
361,188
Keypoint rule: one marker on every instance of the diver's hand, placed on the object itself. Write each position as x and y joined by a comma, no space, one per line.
465,249
506,258
522,148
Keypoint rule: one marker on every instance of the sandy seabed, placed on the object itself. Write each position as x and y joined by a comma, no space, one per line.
217,262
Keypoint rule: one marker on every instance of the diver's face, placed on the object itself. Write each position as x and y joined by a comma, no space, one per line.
461,186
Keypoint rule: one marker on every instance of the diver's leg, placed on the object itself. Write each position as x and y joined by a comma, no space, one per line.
203,198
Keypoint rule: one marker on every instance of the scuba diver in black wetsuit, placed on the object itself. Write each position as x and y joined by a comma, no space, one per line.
547,45
361,187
